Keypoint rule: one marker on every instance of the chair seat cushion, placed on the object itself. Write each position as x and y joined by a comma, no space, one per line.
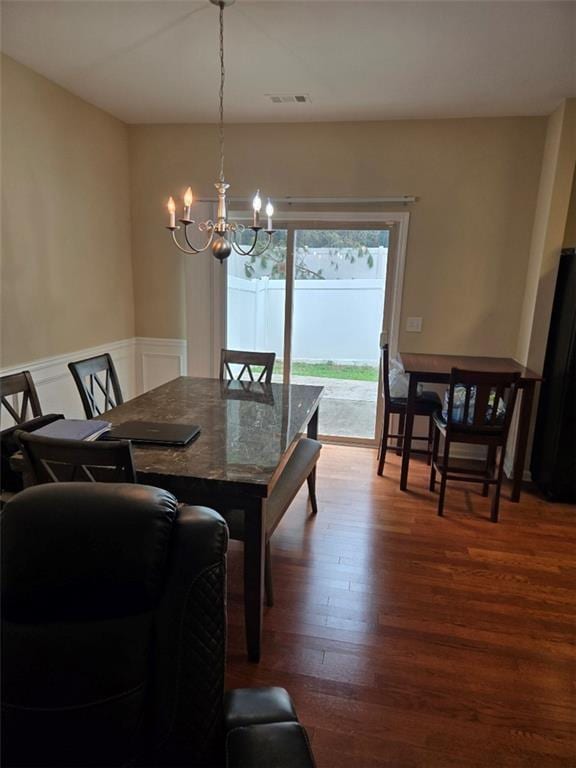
299,465
425,404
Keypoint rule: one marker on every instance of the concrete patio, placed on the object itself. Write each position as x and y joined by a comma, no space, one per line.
348,407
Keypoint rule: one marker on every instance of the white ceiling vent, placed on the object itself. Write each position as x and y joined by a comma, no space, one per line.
289,98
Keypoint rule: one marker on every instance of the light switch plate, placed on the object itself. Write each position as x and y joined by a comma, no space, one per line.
414,324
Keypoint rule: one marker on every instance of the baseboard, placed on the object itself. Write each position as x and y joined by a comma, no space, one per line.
509,470
142,364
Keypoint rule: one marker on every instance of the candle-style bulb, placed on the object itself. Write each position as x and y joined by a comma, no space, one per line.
171,213
257,202
269,212
188,198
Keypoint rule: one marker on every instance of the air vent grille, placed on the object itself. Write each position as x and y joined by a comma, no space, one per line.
289,98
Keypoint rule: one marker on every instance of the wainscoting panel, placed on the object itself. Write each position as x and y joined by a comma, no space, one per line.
142,364
56,388
159,361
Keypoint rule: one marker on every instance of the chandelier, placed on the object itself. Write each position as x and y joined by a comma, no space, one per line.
221,235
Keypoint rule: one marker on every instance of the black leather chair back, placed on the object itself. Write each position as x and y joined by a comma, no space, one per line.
113,627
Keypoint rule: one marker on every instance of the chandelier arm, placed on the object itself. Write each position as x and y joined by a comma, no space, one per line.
191,245
250,252
191,250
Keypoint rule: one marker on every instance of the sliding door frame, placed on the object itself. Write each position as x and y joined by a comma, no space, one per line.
396,222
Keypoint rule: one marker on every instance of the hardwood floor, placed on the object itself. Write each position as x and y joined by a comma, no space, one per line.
411,640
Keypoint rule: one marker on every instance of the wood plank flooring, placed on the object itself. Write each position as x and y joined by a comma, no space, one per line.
411,640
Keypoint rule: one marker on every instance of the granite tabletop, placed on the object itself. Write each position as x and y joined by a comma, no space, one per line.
247,429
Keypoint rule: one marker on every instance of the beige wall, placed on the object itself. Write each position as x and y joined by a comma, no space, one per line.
67,279
557,174
469,238
66,252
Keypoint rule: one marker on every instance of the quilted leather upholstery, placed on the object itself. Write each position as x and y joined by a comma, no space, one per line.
113,609
114,637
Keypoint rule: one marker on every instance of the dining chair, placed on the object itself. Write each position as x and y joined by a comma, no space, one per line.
53,460
16,384
299,468
479,412
264,361
11,481
19,398
426,404
97,383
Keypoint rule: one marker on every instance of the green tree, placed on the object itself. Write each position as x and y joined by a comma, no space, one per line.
352,244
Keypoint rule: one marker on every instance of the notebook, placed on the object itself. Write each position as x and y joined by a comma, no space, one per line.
74,429
158,433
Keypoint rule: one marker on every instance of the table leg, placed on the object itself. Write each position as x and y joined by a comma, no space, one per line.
522,438
254,540
408,429
313,433
313,425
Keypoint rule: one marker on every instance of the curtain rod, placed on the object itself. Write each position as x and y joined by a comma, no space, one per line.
325,200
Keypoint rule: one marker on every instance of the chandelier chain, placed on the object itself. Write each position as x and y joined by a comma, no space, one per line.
222,77
220,234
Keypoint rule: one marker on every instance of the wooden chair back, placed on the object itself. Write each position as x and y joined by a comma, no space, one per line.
52,460
247,361
385,373
483,393
20,384
97,383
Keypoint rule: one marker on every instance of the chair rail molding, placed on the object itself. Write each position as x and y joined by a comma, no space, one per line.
142,364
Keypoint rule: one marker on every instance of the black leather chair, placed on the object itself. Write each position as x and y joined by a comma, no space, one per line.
114,634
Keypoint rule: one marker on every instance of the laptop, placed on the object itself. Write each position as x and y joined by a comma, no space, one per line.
157,433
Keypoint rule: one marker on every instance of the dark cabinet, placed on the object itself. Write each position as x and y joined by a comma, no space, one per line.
554,454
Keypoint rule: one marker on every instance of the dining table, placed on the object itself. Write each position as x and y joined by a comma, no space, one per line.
248,431
436,369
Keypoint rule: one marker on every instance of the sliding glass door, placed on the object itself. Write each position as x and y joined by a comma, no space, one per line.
317,299
339,289
256,301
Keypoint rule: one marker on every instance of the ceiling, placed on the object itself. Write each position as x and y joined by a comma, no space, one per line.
157,62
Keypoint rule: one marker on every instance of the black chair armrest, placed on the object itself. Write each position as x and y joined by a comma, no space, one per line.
191,639
274,745
253,706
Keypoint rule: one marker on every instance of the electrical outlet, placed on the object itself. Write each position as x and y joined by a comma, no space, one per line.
414,324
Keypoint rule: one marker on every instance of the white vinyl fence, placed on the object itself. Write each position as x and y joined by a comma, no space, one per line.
334,320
